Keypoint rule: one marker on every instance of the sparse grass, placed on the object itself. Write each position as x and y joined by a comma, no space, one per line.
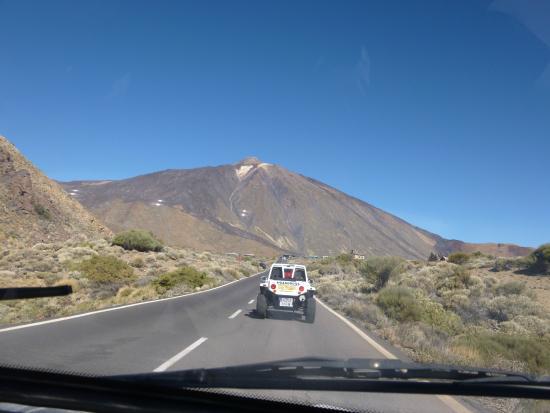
531,351
510,288
42,211
443,312
137,262
98,284
138,240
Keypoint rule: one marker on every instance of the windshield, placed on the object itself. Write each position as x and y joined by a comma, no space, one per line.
196,185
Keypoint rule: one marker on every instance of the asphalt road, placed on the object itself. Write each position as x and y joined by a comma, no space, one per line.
210,329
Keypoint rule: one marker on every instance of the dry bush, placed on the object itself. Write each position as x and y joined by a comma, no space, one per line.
504,308
106,269
494,348
189,276
510,288
137,262
459,258
378,270
399,303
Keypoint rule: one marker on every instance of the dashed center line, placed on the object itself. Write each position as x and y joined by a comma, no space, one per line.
251,301
235,314
170,362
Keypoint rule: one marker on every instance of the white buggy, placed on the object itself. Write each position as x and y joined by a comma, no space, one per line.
287,287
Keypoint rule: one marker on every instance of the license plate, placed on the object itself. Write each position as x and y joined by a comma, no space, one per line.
287,288
286,302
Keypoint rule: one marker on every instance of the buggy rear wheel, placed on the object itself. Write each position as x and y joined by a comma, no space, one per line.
261,306
310,310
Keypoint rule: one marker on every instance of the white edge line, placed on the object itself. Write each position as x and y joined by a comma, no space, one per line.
173,360
361,333
105,310
451,402
235,314
251,301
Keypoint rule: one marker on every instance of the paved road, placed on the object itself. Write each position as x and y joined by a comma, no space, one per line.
211,329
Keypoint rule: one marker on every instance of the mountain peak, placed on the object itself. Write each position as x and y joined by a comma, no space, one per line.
251,160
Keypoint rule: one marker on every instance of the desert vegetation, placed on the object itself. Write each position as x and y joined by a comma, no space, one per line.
470,311
132,267
138,240
476,311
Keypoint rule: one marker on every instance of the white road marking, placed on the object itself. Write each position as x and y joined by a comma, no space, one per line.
453,404
170,362
251,301
105,310
361,333
235,314
449,401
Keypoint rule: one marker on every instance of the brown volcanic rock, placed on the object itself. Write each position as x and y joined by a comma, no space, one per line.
34,208
490,248
258,207
250,207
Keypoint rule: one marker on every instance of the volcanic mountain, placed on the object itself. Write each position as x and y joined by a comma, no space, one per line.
34,208
253,207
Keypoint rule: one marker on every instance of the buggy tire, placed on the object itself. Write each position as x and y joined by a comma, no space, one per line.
261,306
310,310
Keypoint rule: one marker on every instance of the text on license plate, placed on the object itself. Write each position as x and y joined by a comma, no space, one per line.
286,302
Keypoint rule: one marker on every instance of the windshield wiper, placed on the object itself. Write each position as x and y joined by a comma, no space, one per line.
359,375
19,293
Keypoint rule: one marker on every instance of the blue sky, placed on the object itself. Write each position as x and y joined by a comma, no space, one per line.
436,111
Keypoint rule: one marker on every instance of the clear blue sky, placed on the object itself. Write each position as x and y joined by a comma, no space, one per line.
436,111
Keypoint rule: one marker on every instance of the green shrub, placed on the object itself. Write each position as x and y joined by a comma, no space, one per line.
104,269
378,270
510,288
459,258
399,303
453,278
137,239
436,316
343,259
541,260
185,275
532,351
42,211
502,264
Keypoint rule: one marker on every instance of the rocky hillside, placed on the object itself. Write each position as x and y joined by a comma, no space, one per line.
33,208
252,206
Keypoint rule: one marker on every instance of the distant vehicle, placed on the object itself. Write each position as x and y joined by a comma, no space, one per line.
287,288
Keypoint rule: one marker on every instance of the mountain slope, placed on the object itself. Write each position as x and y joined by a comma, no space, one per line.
253,207
33,208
